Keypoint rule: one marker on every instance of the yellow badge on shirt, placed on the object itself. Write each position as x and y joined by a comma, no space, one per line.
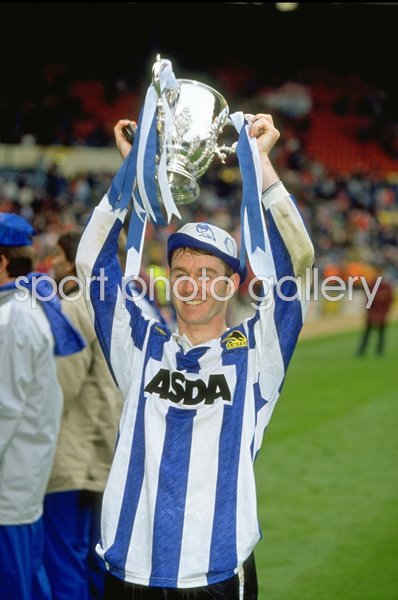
235,339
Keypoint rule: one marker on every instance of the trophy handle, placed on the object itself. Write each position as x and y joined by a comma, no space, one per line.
223,151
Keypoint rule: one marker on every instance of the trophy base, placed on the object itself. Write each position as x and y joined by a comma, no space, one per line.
183,186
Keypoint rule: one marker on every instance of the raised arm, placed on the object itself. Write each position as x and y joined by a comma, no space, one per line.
282,211
118,322
292,257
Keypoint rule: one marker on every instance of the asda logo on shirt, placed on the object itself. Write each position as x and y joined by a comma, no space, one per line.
175,387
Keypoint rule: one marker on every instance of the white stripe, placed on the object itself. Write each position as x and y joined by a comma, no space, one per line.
290,225
247,531
268,353
292,230
201,489
133,262
139,557
122,350
116,485
90,246
134,257
101,222
269,366
257,166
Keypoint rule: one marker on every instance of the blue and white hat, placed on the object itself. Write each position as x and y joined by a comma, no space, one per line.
204,236
15,230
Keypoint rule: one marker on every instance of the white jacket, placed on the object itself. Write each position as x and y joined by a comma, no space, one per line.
30,408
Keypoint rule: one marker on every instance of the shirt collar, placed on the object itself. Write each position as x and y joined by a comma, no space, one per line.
184,342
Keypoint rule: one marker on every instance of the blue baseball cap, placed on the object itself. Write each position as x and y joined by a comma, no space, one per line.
15,230
213,239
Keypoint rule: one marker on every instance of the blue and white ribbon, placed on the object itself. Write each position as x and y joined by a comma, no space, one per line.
140,177
149,145
254,235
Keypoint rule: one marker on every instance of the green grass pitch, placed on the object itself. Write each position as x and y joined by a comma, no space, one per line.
327,476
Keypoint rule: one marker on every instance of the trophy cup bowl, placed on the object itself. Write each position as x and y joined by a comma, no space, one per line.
198,113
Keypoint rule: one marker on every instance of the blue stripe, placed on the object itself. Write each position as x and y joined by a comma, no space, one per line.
150,178
159,336
259,399
189,362
287,315
121,188
117,553
223,551
104,308
138,323
170,501
250,329
250,200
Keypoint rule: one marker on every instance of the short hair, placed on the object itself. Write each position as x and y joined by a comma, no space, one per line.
195,251
21,259
69,243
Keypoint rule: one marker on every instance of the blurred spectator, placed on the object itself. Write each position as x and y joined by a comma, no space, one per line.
377,313
30,408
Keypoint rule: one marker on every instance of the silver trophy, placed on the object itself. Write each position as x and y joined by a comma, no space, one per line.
199,114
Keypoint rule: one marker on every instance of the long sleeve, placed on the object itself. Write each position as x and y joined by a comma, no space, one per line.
292,257
284,220
274,329
119,323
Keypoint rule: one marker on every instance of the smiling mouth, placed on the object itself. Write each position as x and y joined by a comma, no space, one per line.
193,302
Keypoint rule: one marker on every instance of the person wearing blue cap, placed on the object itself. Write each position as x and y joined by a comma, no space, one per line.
32,332
179,516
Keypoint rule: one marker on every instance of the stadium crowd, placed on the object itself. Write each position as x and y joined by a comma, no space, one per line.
352,215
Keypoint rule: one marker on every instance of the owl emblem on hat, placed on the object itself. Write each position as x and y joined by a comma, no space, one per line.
204,230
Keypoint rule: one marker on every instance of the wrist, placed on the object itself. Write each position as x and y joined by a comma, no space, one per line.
270,176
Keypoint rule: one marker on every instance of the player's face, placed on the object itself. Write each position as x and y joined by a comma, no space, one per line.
200,288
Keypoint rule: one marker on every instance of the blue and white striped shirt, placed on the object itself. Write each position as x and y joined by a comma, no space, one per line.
179,508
